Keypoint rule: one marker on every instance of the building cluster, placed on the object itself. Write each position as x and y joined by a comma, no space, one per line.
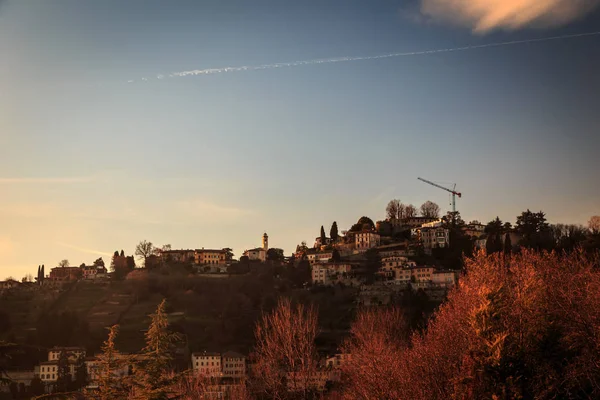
396,242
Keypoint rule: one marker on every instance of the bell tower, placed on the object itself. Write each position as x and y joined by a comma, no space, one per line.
265,241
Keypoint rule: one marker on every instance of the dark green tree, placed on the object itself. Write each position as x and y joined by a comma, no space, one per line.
80,373
333,232
335,256
507,243
323,237
534,230
153,380
63,379
275,254
36,388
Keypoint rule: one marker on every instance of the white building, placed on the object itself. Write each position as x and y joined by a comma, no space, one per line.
207,364
260,253
366,240
234,365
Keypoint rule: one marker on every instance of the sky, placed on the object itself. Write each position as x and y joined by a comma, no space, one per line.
104,143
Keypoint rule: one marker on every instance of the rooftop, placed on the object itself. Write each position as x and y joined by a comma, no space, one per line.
233,354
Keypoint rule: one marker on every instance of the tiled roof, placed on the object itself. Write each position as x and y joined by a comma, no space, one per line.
233,354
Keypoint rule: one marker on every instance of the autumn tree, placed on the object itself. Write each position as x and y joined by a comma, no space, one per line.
333,232
111,385
429,209
144,249
153,379
285,352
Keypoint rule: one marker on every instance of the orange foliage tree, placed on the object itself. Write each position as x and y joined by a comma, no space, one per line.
520,326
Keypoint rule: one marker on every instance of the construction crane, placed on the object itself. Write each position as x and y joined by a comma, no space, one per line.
453,191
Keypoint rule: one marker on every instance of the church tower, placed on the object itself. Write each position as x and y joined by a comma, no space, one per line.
265,241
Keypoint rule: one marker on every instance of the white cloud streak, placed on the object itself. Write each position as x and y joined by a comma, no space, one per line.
212,71
83,249
485,15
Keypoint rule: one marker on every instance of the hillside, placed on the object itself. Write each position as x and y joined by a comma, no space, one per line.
211,314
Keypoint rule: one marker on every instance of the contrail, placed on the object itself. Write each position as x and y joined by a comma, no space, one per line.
210,71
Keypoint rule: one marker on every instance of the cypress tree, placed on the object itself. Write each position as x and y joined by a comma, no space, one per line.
43,273
323,237
39,280
63,380
507,243
333,233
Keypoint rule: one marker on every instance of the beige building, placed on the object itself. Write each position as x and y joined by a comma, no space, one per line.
207,256
320,257
48,370
234,365
329,273
207,364
184,256
433,238
444,278
366,240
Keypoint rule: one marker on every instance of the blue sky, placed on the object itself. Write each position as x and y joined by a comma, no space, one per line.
90,163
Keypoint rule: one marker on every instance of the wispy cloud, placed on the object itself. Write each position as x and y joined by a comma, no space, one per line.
486,15
83,249
54,180
433,11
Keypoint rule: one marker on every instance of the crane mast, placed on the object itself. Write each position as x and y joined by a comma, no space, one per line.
452,191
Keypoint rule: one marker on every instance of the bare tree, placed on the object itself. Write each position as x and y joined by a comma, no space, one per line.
144,249
378,338
594,224
392,209
410,211
430,210
285,353
63,263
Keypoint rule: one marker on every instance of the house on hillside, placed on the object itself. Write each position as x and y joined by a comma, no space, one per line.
365,240
48,370
9,284
433,238
65,274
207,256
234,365
182,256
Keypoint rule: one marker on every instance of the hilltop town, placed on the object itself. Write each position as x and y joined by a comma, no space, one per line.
410,259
